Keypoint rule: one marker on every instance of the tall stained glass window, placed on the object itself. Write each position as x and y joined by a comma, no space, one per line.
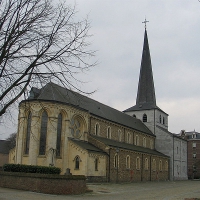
59,132
28,132
43,133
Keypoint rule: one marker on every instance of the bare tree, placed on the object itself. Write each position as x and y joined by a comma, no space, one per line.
40,41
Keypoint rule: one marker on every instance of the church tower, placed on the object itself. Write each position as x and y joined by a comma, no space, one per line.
146,109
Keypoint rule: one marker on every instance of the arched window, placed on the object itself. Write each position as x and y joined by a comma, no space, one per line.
119,135
166,165
154,165
116,160
137,140
28,132
59,132
151,144
109,132
128,162
134,116
144,119
160,165
160,119
77,162
97,129
128,138
163,120
144,142
146,164
43,133
138,163
96,164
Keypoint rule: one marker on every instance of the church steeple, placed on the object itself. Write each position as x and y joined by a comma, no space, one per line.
146,109
146,92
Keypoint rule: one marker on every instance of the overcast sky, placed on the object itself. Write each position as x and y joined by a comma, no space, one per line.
174,39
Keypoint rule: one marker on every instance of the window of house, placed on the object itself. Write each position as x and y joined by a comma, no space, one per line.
109,132
154,165
160,119
43,133
128,162
96,164
28,132
177,150
97,129
144,119
146,164
194,168
194,135
194,155
59,132
163,120
194,145
144,142
116,160
77,162
119,135
138,163
160,165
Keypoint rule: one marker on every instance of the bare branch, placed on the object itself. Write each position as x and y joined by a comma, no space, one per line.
39,42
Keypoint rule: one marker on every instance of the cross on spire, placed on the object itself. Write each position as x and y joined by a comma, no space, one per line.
145,22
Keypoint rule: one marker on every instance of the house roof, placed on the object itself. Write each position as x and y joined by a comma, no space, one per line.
55,93
87,146
4,147
172,134
123,145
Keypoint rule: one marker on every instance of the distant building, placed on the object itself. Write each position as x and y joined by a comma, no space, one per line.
4,152
193,152
156,119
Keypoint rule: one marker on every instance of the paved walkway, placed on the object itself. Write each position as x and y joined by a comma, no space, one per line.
179,190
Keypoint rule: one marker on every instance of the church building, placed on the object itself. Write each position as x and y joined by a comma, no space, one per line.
62,128
156,119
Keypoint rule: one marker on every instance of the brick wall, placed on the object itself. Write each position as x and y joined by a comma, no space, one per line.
50,184
193,173
124,174
103,124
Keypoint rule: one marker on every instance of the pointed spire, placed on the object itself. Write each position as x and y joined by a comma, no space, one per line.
146,92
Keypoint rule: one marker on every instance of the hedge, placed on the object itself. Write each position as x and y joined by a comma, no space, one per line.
31,169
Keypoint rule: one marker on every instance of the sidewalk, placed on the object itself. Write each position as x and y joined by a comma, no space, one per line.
179,190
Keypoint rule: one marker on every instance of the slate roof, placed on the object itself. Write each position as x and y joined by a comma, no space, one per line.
190,134
172,134
55,93
146,98
86,145
4,147
123,145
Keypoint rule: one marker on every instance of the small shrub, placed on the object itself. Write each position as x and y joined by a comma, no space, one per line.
31,169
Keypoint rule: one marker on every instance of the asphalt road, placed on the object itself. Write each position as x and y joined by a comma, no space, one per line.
131,191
